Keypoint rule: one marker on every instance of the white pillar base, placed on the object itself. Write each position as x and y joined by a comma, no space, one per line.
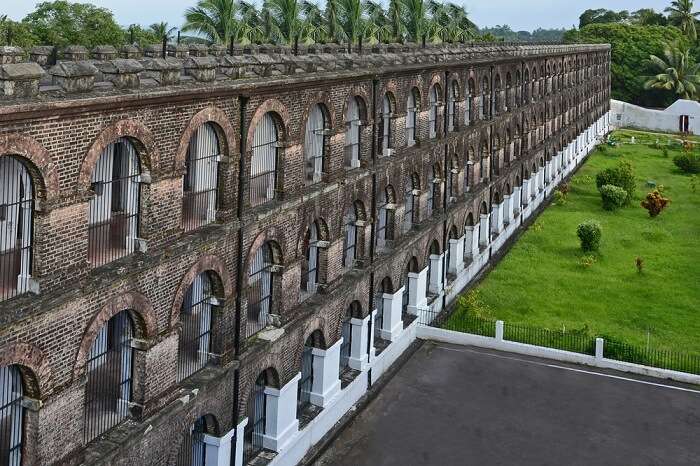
281,422
218,449
326,382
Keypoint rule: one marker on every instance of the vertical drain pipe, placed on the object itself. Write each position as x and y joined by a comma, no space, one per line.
373,208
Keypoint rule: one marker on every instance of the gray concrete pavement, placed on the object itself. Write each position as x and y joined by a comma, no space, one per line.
452,405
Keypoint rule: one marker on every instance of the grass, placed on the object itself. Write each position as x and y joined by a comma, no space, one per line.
546,281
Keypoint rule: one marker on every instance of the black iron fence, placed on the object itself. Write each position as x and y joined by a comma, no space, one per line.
671,360
576,341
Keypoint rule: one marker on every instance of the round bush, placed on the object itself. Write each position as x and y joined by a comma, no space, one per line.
589,233
613,197
621,176
689,163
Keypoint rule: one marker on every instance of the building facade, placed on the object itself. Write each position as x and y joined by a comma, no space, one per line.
200,252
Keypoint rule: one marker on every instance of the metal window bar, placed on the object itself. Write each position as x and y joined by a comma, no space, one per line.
314,144
346,345
432,113
307,380
352,134
255,429
263,164
200,182
385,126
193,449
113,219
379,316
382,220
195,316
406,291
16,227
451,107
431,195
350,246
259,290
11,416
409,201
450,183
312,259
486,106
411,119
109,377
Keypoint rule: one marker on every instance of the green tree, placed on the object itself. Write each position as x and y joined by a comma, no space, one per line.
675,73
602,16
378,27
215,20
648,17
161,30
286,15
631,47
350,19
681,14
415,19
62,23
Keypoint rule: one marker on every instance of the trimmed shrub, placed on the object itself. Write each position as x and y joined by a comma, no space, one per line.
613,197
688,162
621,176
655,203
589,233
587,261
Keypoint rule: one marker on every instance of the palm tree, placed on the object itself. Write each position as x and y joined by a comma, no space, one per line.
681,13
415,19
676,73
215,20
395,23
286,15
377,29
350,20
161,30
314,27
332,21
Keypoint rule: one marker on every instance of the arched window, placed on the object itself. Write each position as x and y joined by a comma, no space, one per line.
410,192
11,416
468,168
508,92
526,87
193,451
433,111
385,140
485,99
497,95
260,283
386,288
412,117
263,164
483,162
352,133
109,376
433,190
451,106
310,277
199,185
257,417
434,250
315,144
350,241
195,317
355,310
306,382
113,218
469,111
411,267
16,226
453,171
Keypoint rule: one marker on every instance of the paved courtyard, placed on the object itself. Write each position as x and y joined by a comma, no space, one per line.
453,405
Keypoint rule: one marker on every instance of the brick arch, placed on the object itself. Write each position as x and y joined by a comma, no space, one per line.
392,89
271,234
33,365
148,153
327,108
324,233
210,114
182,427
46,172
205,263
361,93
318,323
143,315
268,363
282,117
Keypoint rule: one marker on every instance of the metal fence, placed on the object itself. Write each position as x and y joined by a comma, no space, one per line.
575,341
11,416
671,360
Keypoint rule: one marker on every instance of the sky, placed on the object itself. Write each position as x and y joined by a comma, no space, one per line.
519,14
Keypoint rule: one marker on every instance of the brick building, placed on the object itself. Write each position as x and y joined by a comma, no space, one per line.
205,257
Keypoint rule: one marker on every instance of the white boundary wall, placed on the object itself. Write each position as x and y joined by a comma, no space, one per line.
623,114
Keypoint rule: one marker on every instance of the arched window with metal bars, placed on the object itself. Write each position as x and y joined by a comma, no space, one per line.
354,311
11,416
306,382
412,116
310,277
113,218
383,219
200,182
263,164
193,450
469,108
196,317
411,267
433,190
410,193
315,144
386,287
108,389
497,95
385,136
433,99
485,99
452,106
257,417
350,239
260,284
16,226
353,125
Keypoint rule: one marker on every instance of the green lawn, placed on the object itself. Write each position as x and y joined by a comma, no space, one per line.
542,283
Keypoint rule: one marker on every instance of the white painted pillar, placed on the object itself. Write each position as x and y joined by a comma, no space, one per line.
533,185
326,381
281,422
240,442
484,230
526,192
218,449
471,241
436,273
358,345
508,208
392,325
417,292
497,218
456,264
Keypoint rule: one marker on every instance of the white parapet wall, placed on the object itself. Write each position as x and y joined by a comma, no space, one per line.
624,115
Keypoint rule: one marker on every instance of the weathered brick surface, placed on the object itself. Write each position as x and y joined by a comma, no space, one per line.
49,335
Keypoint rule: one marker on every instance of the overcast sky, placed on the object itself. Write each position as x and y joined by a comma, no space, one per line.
519,14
